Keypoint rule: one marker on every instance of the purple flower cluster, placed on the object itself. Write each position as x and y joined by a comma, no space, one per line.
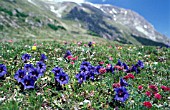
123,66
60,76
87,71
29,74
3,70
136,68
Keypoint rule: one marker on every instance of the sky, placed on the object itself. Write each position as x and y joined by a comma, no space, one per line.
157,12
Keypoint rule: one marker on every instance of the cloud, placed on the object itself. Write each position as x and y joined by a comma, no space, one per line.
76,1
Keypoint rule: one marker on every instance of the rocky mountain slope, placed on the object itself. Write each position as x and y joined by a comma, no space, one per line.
72,19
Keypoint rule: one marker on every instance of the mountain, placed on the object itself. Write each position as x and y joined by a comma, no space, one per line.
55,19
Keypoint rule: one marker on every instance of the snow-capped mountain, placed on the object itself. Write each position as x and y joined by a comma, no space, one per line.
107,21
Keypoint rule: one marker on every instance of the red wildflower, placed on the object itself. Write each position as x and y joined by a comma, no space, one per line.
158,96
126,77
118,67
154,88
72,63
74,58
148,93
131,76
102,70
140,87
147,104
69,57
101,63
165,88
116,85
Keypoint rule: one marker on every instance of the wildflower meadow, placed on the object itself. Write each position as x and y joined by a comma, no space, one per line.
83,75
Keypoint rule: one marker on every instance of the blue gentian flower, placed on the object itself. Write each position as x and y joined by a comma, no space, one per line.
28,82
97,69
125,66
121,94
26,57
41,66
90,44
119,63
84,68
43,57
35,74
28,67
85,63
123,82
62,78
140,64
3,70
57,70
110,68
81,77
19,75
91,75
68,53
135,69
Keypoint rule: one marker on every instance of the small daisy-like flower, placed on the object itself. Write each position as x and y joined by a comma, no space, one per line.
19,75
121,94
34,47
62,78
3,70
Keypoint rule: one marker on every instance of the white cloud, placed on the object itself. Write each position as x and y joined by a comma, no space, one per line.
76,1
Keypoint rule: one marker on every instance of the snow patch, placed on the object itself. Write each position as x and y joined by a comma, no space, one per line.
145,26
140,29
114,11
57,12
32,2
